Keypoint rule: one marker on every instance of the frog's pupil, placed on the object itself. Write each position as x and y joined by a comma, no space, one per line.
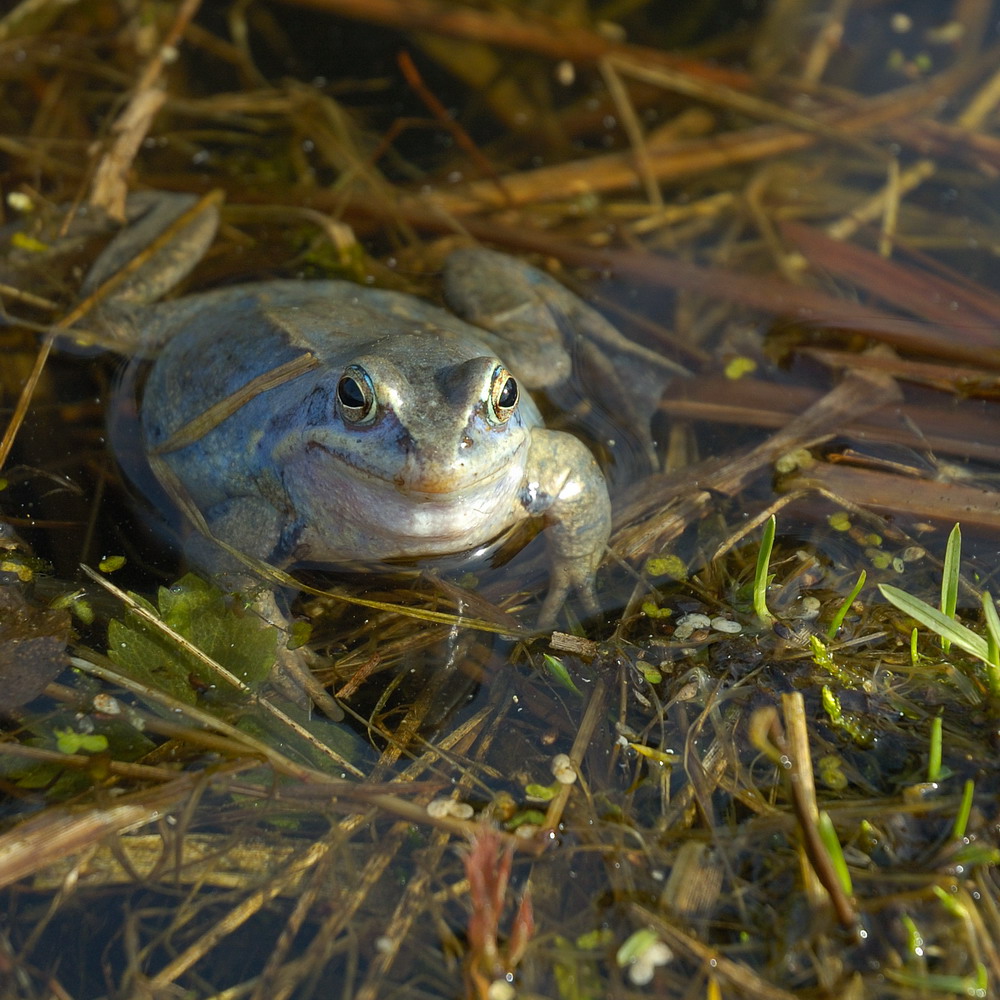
350,392
508,394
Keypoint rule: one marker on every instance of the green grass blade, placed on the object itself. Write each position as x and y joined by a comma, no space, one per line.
838,618
761,574
992,620
556,669
936,621
964,811
949,578
831,842
934,750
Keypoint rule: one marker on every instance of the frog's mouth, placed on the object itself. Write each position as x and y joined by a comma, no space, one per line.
421,483
433,480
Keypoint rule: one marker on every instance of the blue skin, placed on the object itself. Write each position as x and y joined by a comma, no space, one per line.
444,454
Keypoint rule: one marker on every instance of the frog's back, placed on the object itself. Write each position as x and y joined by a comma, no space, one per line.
215,343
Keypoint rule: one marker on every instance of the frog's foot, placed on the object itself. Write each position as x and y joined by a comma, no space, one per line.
528,308
566,578
506,298
291,675
564,486
166,236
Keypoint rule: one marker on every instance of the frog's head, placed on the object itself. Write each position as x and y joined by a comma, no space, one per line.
422,448
420,428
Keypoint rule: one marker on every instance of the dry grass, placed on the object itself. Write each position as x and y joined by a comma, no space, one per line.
796,222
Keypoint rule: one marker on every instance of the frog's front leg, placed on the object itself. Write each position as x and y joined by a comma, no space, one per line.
565,487
228,522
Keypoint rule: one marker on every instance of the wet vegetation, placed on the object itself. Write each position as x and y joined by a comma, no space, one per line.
769,768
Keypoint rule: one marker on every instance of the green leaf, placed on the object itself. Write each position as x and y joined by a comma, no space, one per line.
828,835
666,565
541,793
936,621
838,618
636,945
223,629
70,741
964,811
525,817
67,741
831,703
557,670
650,674
992,620
934,749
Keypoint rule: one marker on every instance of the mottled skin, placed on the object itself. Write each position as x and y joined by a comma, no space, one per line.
404,439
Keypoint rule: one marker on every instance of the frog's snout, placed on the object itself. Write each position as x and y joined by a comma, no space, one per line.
433,471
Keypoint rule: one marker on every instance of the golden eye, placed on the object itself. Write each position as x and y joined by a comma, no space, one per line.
503,395
356,395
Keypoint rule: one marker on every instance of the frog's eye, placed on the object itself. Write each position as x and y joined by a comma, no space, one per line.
356,395
503,395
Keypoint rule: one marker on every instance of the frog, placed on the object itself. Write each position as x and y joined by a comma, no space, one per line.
323,422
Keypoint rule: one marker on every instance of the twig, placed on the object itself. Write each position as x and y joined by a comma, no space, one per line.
110,186
462,138
555,39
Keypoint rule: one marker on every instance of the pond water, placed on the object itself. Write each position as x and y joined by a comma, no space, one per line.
788,215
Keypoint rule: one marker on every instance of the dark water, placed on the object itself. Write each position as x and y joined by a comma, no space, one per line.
66,497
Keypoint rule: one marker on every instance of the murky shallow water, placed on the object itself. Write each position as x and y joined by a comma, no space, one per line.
339,894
